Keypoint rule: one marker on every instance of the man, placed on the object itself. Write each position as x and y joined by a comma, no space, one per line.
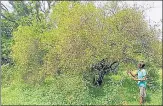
141,74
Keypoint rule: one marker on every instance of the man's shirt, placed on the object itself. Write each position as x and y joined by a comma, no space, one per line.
141,73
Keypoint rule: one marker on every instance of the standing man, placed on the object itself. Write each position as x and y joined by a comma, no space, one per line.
141,78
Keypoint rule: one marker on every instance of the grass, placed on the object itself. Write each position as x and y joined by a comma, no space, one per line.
116,90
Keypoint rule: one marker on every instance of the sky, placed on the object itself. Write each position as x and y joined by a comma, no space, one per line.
154,14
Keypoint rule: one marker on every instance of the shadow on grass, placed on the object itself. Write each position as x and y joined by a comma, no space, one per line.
148,99
96,91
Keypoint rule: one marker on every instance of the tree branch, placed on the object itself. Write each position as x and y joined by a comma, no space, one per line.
8,19
5,8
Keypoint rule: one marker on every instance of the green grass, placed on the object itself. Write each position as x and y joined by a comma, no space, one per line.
116,90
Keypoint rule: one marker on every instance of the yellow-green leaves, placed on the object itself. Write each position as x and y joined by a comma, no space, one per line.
78,35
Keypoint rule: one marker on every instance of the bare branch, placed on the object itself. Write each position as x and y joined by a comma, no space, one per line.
8,19
25,8
12,3
37,9
5,8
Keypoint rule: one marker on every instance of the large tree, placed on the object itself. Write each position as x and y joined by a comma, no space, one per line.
79,34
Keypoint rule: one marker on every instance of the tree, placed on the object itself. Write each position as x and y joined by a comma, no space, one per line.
78,35
23,13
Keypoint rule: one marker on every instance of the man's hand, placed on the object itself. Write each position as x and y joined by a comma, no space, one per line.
138,79
128,72
132,74
134,78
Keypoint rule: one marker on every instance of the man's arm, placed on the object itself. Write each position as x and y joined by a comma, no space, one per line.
133,75
143,79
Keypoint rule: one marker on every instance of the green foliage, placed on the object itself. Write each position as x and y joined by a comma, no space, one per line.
70,90
50,54
73,42
7,75
153,78
22,14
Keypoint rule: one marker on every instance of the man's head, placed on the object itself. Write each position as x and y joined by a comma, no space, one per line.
141,64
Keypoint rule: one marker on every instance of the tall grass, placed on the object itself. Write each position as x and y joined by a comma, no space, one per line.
70,89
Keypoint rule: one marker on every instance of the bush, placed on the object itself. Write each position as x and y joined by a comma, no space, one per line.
153,78
7,74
